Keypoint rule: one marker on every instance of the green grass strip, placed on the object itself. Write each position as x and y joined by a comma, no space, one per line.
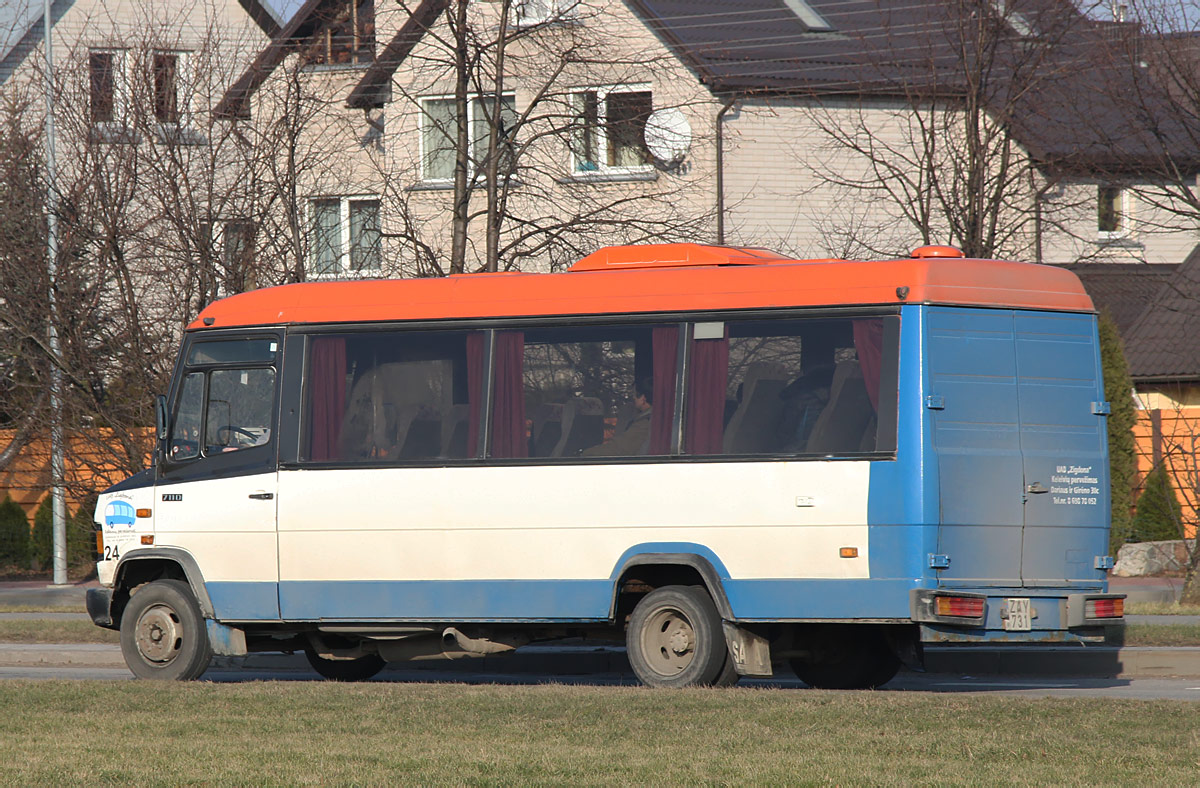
312,733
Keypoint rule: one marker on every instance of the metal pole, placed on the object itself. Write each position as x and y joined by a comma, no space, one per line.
57,493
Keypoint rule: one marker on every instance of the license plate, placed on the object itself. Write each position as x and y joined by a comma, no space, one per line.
1018,618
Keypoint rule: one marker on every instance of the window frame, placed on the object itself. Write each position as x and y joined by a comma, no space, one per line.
182,78
120,89
1122,212
251,459
323,37
547,12
473,100
601,131
888,421
345,246
217,231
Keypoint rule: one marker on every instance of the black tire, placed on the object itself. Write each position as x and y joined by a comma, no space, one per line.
674,638
728,675
359,669
853,656
163,635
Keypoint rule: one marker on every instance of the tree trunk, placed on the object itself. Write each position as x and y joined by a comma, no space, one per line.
462,142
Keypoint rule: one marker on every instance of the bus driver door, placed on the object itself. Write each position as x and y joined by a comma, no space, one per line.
215,489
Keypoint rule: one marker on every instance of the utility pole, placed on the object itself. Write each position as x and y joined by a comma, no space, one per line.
57,493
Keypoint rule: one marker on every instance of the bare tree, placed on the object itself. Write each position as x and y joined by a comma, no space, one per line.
512,113
933,137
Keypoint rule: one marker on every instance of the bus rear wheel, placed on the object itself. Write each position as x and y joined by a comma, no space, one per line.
163,634
848,657
359,669
674,638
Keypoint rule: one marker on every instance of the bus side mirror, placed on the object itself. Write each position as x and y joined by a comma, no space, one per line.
160,418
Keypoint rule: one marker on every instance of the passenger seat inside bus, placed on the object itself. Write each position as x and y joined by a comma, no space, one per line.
841,426
547,429
582,426
754,426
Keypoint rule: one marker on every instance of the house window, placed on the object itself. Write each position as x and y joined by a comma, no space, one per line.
345,236
166,68
231,245
346,36
527,13
1111,212
610,129
440,129
105,71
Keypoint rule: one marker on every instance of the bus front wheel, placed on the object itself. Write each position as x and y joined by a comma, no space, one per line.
674,638
163,634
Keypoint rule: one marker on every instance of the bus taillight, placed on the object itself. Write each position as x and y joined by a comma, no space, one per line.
1104,608
964,606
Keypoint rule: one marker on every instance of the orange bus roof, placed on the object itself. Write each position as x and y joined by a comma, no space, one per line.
663,278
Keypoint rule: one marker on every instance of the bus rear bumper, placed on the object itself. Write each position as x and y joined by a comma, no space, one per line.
1015,615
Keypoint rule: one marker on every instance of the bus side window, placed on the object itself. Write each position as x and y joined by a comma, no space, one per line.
794,386
239,409
393,397
185,435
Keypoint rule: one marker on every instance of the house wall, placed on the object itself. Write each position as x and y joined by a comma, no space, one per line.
554,215
1151,233
798,180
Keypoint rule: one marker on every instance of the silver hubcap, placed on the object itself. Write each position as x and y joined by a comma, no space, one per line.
668,642
159,634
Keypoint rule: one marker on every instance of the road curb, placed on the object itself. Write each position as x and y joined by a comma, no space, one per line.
1094,661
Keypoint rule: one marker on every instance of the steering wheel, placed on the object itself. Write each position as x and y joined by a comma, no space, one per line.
228,431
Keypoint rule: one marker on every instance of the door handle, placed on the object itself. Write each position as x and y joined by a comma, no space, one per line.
1037,488
262,496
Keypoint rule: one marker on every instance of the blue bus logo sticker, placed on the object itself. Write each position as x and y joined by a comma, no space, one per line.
119,513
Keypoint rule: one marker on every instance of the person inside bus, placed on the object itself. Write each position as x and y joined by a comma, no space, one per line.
635,439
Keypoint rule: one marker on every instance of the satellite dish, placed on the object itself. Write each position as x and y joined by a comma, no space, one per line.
668,135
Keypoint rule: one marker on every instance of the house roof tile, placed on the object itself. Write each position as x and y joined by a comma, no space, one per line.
1164,342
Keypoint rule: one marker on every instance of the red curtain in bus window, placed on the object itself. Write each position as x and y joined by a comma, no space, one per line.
508,397
707,382
328,385
868,342
665,351
474,390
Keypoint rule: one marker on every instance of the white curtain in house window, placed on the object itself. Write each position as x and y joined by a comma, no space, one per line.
438,133
481,117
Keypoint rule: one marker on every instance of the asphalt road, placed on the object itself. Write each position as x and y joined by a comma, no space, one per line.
1031,687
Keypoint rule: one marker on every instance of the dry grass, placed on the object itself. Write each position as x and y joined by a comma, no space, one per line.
1162,634
310,733
48,630
1160,609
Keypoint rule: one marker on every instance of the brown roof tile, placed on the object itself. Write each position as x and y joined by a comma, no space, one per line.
1164,342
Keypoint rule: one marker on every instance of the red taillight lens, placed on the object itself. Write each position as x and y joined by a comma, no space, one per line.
1104,608
962,606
